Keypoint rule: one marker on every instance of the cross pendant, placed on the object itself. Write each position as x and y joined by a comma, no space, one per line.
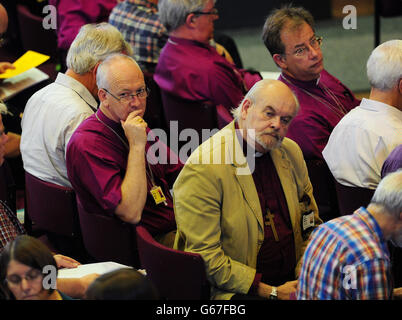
270,222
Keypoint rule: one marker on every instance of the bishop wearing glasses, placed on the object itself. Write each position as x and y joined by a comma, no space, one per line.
289,36
110,162
189,67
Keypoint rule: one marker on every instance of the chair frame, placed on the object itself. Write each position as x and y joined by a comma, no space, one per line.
176,274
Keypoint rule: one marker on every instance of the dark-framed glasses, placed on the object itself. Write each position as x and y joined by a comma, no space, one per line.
315,43
128,97
213,11
30,276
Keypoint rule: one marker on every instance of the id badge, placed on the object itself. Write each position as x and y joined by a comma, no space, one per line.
308,220
158,195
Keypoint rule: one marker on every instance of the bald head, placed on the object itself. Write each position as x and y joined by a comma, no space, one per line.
265,114
3,19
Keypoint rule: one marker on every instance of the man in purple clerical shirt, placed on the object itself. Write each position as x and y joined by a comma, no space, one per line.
189,67
107,155
289,36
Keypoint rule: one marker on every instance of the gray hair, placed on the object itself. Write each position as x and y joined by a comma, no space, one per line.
384,66
94,43
389,193
102,73
271,32
253,95
173,13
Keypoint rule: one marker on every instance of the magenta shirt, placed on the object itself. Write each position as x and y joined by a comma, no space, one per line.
315,121
195,71
96,165
73,14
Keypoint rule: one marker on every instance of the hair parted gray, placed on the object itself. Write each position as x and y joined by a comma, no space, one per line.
93,43
384,66
173,13
389,193
271,32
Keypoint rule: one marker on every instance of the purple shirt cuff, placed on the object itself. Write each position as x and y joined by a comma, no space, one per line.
254,286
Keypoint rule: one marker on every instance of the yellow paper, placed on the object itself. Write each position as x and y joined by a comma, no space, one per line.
27,61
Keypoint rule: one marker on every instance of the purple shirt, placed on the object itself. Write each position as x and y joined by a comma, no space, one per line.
276,261
322,104
73,14
195,71
96,165
393,161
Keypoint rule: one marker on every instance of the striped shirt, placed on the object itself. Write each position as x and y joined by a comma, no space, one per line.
347,258
138,21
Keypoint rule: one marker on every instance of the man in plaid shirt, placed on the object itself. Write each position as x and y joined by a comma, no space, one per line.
348,257
138,21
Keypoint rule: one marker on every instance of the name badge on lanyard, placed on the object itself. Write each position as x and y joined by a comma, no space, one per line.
158,195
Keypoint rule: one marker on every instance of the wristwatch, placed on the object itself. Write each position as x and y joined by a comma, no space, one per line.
274,294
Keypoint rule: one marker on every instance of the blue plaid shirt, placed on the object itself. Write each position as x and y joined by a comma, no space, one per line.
346,258
138,21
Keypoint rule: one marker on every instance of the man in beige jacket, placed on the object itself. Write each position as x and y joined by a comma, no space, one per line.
244,200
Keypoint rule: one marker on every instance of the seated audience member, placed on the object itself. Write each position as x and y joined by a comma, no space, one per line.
22,271
53,113
138,21
393,161
73,14
348,258
12,148
362,140
111,166
249,218
122,284
290,37
189,67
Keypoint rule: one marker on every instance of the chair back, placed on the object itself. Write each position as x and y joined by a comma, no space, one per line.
196,115
154,114
51,207
175,274
352,198
324,191
8,187
107,238
51,214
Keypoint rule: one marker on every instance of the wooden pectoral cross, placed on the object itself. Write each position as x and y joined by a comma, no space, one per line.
269,221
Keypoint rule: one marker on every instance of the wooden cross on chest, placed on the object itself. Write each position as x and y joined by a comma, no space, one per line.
269,221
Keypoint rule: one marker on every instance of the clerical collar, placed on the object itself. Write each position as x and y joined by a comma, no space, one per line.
297,82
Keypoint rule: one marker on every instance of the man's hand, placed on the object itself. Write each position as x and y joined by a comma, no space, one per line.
398,293
5,65
286,289
135,129
65,262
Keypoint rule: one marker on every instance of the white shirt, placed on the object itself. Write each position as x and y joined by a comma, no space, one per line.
50,117
361,141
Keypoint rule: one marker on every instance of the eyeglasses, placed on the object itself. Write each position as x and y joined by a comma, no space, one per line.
213,11
128,97
30,276
315,43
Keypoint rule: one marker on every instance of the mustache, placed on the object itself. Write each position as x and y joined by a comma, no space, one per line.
272,134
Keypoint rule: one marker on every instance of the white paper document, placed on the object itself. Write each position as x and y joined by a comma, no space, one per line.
85,269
